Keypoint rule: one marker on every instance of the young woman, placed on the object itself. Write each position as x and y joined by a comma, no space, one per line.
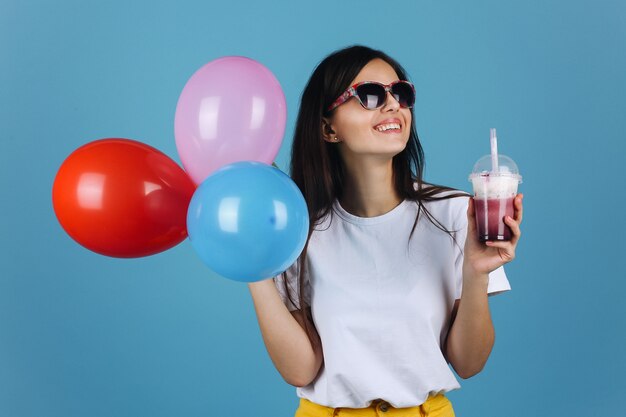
392,284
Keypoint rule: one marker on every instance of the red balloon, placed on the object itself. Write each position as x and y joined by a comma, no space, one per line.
122,198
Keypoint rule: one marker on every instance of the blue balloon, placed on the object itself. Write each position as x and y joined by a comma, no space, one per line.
248,221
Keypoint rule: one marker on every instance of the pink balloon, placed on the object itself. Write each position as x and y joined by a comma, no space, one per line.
232,109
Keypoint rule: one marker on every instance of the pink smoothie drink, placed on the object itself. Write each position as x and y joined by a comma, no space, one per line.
490,215
494,192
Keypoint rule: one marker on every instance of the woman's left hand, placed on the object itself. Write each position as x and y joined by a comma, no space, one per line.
483,258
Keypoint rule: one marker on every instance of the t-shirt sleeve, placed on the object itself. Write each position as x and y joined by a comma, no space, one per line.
498,281
292,302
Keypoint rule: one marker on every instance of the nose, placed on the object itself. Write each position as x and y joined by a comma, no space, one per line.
391,104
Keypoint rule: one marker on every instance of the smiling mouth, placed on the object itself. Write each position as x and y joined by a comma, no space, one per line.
388,127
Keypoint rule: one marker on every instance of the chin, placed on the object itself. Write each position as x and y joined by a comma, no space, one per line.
389,150
399,145
389,153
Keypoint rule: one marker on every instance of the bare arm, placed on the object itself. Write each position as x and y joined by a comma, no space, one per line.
471,336
294,356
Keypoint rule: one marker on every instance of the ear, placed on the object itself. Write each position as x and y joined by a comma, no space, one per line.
327,130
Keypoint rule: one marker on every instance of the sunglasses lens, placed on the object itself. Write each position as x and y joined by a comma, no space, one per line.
371,95
403,92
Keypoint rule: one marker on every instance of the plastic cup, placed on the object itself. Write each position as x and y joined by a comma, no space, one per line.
494,192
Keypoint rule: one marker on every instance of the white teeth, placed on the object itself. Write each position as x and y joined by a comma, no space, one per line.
382,128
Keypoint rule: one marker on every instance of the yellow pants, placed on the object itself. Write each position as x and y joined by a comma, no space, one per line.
435,406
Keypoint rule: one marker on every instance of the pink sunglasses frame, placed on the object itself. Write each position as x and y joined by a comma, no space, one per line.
351,92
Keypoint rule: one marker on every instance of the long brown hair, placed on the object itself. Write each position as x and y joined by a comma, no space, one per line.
317,167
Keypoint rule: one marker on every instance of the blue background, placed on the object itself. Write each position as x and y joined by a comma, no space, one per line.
86,335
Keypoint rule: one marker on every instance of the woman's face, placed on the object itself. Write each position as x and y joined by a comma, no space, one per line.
360,131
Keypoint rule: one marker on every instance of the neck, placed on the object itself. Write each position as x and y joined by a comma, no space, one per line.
368,189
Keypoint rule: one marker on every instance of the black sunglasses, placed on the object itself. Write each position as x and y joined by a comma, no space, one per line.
373,95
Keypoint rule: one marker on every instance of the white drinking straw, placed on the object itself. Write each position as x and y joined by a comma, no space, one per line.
494,149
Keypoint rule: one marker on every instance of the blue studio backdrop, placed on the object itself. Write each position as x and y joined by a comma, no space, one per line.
87,335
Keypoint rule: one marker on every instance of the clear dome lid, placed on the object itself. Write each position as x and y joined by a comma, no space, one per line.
506,168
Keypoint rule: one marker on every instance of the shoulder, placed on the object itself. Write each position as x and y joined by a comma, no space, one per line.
446,204
324,219
445,199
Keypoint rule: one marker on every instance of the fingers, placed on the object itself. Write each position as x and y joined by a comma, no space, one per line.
508,246
515,229
507,249
514,223
519,209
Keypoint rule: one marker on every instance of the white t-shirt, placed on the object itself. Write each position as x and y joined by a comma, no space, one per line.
382,305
